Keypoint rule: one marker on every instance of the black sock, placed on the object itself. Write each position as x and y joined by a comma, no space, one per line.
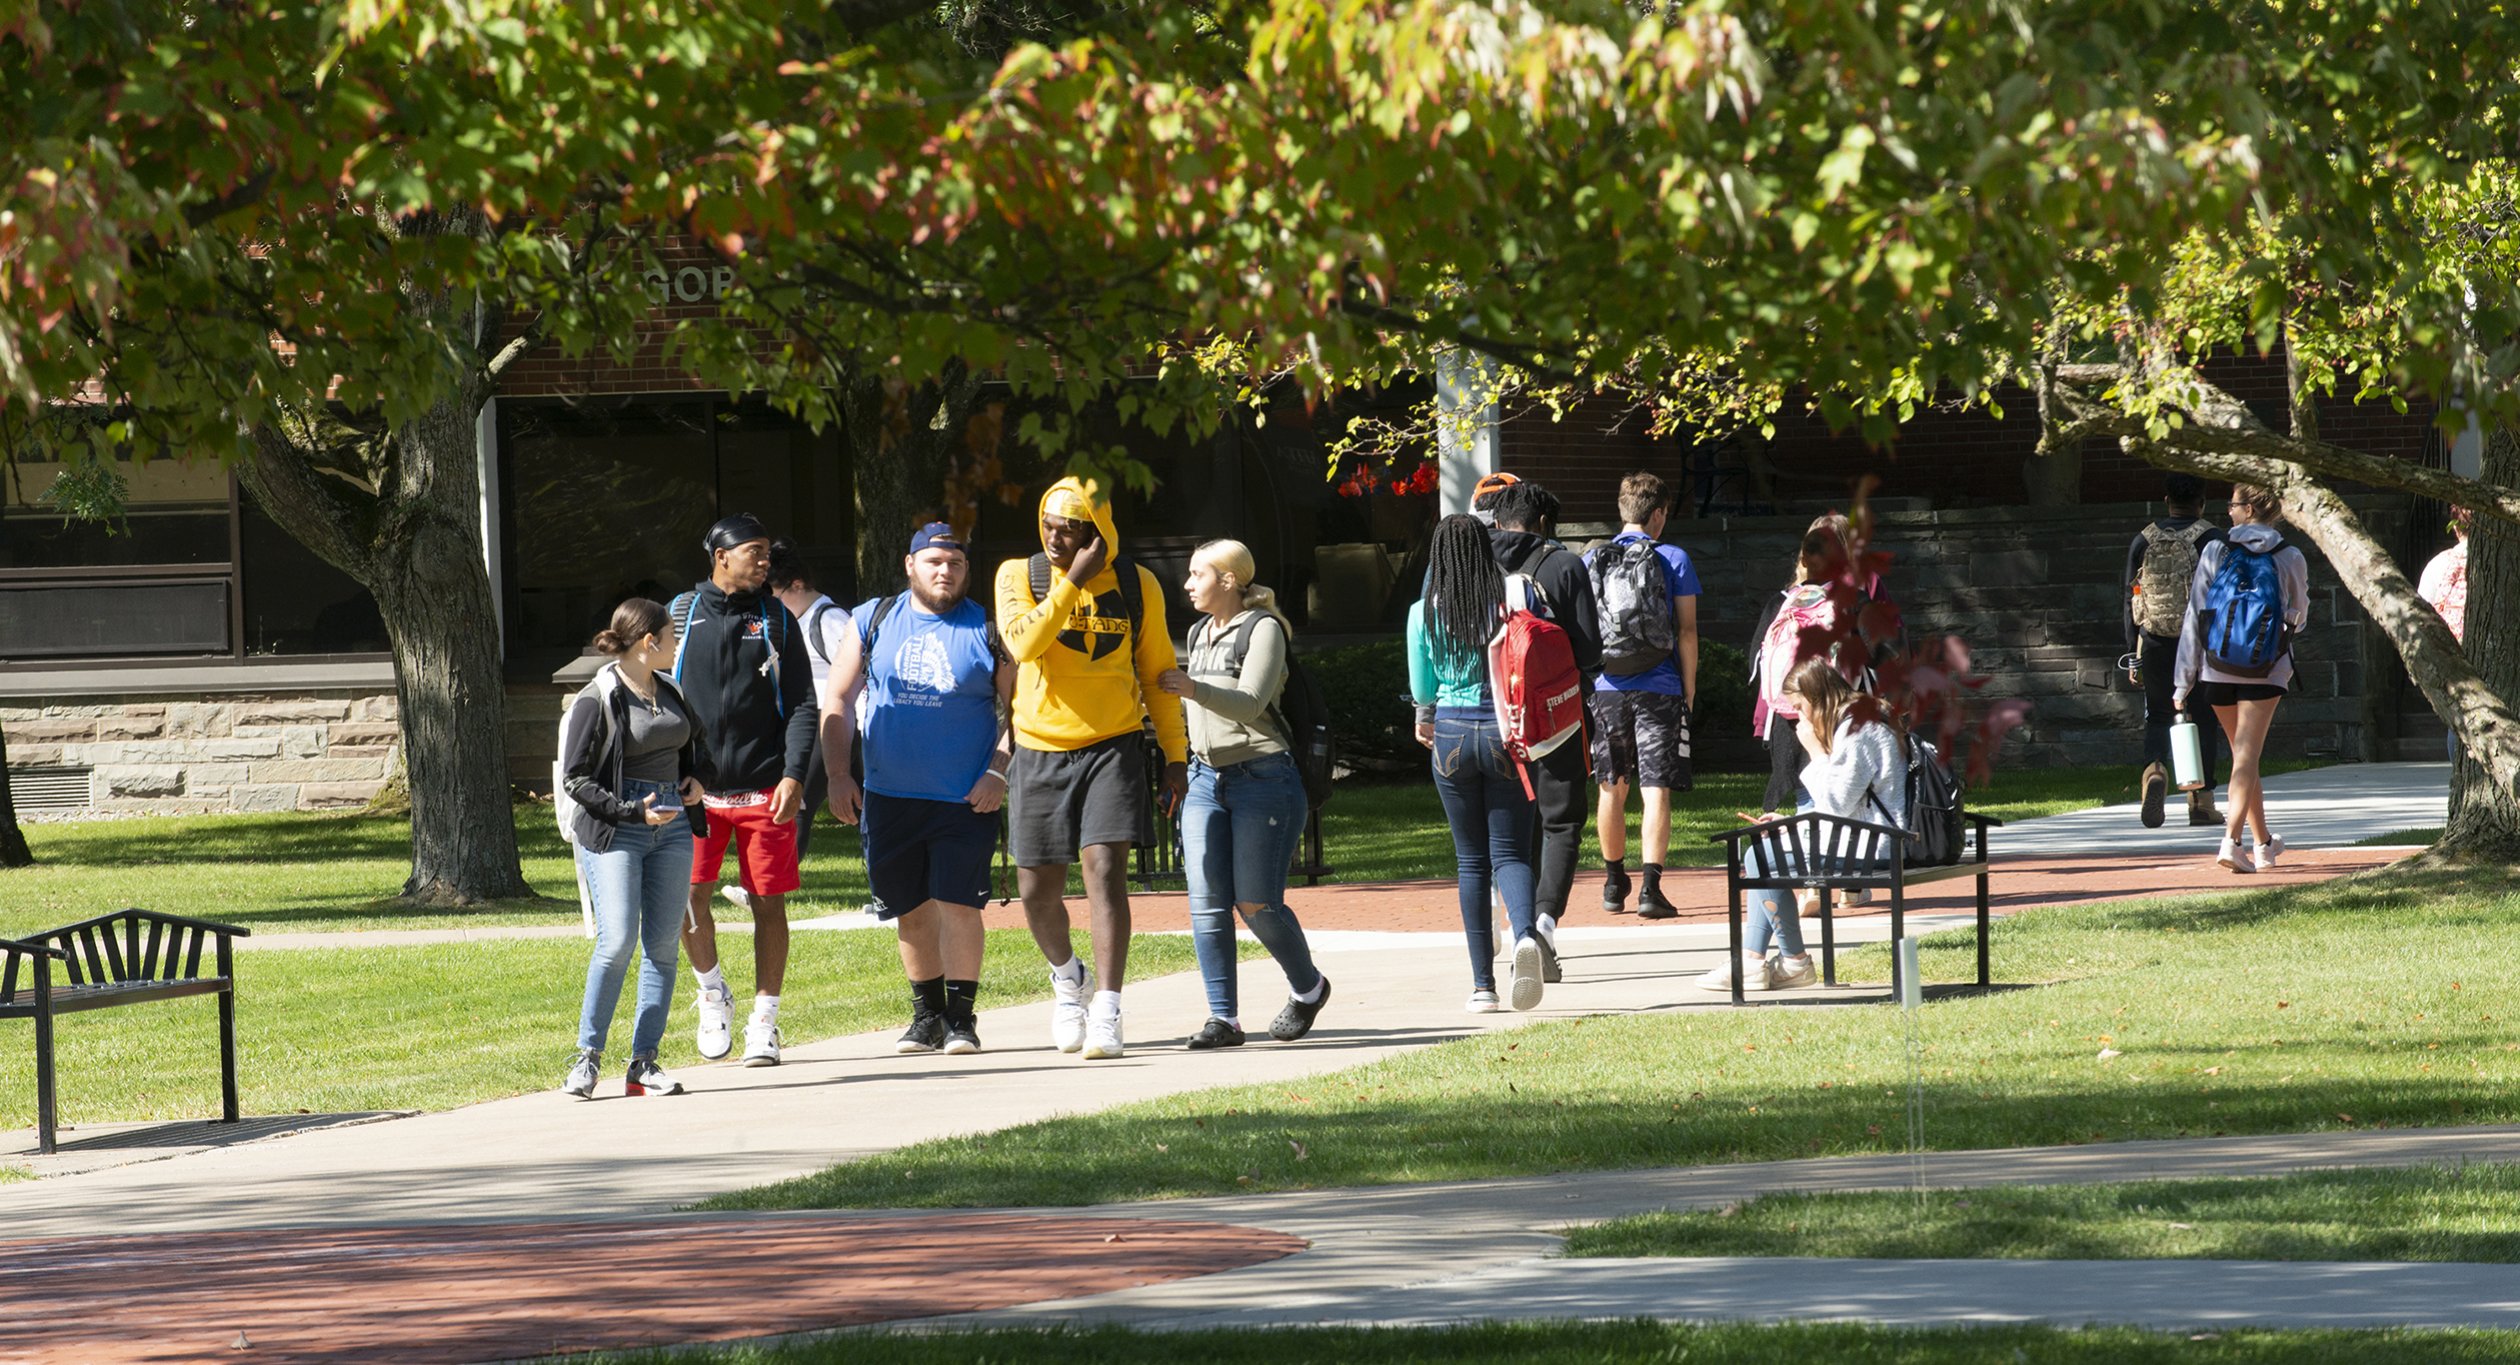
929,996
961,999
1652,874
1616,867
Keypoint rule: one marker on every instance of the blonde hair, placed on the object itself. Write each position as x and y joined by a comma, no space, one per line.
2266,506
1826,697
1232,560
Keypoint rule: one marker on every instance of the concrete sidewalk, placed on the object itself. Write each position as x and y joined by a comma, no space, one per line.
2331,807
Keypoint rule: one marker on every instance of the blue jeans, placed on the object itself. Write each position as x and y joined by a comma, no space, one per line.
1492,829
1239,825
639,888
1771,915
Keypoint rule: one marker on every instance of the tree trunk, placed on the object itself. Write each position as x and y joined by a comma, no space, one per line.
2485,810
408,529
13,849
899,444
2053,477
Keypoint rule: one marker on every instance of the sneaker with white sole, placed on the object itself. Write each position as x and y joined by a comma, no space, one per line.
1483,1001
1790,973
925,1034
761,1042
962,1037
2232,856
1067,1013
647,1078
2271,850
1102,1036
582,1073
1527,983
716,1034
734,891
1754,975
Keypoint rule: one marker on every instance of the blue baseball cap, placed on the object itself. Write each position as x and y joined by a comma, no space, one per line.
936,535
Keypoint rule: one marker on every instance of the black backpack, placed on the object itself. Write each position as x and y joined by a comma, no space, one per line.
1301,713
1638,634
1123,568
1935,832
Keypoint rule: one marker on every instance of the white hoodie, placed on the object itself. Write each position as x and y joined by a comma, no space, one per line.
2292,572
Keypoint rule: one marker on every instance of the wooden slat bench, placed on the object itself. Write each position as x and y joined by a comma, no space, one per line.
1832,854
125,958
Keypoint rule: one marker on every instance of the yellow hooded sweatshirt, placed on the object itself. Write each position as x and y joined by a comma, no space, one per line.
1079,678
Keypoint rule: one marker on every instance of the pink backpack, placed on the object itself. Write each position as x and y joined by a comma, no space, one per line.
1532,678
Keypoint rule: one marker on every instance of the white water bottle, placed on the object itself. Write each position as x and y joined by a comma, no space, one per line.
2187,755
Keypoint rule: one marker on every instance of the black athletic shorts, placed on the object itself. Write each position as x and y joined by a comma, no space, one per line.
919,851
1059,801
1641,738
2232,694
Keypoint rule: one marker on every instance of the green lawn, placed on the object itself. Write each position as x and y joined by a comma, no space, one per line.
1581,1343
2418,1214
329,1030
2385,999
2405,838
306,872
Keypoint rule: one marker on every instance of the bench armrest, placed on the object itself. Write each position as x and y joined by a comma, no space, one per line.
21,946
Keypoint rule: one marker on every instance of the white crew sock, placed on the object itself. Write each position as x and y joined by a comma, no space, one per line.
1106,1004
1071,971
714,979
1307,997
766,1009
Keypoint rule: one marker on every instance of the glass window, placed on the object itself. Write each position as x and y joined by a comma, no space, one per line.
176,514
296,602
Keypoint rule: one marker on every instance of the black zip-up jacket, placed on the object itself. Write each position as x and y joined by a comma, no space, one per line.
743,666
593,759
1561,574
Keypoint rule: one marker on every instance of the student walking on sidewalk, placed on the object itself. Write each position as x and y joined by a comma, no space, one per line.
1526,515
1647,593
2250,597
925,671
1246,803
2160,572
2444,588
1484,802
631,766
1086,628
741,663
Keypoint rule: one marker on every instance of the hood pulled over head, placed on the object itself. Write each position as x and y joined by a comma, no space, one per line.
1080,499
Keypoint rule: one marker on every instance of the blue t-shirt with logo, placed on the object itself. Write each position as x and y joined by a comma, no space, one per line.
1681,577
928,720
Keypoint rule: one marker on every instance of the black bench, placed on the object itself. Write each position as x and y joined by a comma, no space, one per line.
1835,853
125,958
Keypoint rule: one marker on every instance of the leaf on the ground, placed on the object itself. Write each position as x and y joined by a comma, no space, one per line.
2345,1118
2108,1054
1302,1153
2184,1227
1112,1238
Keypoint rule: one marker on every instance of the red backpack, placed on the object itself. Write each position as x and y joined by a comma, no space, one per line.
1532,678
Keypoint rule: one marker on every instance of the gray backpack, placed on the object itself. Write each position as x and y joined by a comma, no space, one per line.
1638,633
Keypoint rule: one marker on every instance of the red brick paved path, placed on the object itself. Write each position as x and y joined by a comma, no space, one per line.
2018,884
499,1291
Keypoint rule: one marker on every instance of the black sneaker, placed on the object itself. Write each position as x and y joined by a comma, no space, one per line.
1651,905
1296,1019
1216,1033
925,1034
962,1037
1614,891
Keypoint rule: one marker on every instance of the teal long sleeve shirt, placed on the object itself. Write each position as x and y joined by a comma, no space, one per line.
1443,678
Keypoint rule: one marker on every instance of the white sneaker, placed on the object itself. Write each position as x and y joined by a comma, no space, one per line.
1067,1013
761,1042
2269,851
1789,973
582,1073
1483,1001
1754,975
1102,1036
1527,973
2231,856
716,1036
735,892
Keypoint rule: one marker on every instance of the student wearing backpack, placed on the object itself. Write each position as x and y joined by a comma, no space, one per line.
1646,593
2160,572
2444,588
1804,612
631,773
924,670
1086,628
1484,801
1526,513
822,622
1858,768
741,662
1246,805
2250,597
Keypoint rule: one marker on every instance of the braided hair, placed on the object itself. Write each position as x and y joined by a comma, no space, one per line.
1464,588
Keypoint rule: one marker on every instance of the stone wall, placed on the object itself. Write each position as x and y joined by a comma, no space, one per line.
2036,595
188,754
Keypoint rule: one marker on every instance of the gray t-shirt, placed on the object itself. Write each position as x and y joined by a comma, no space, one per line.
651,750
